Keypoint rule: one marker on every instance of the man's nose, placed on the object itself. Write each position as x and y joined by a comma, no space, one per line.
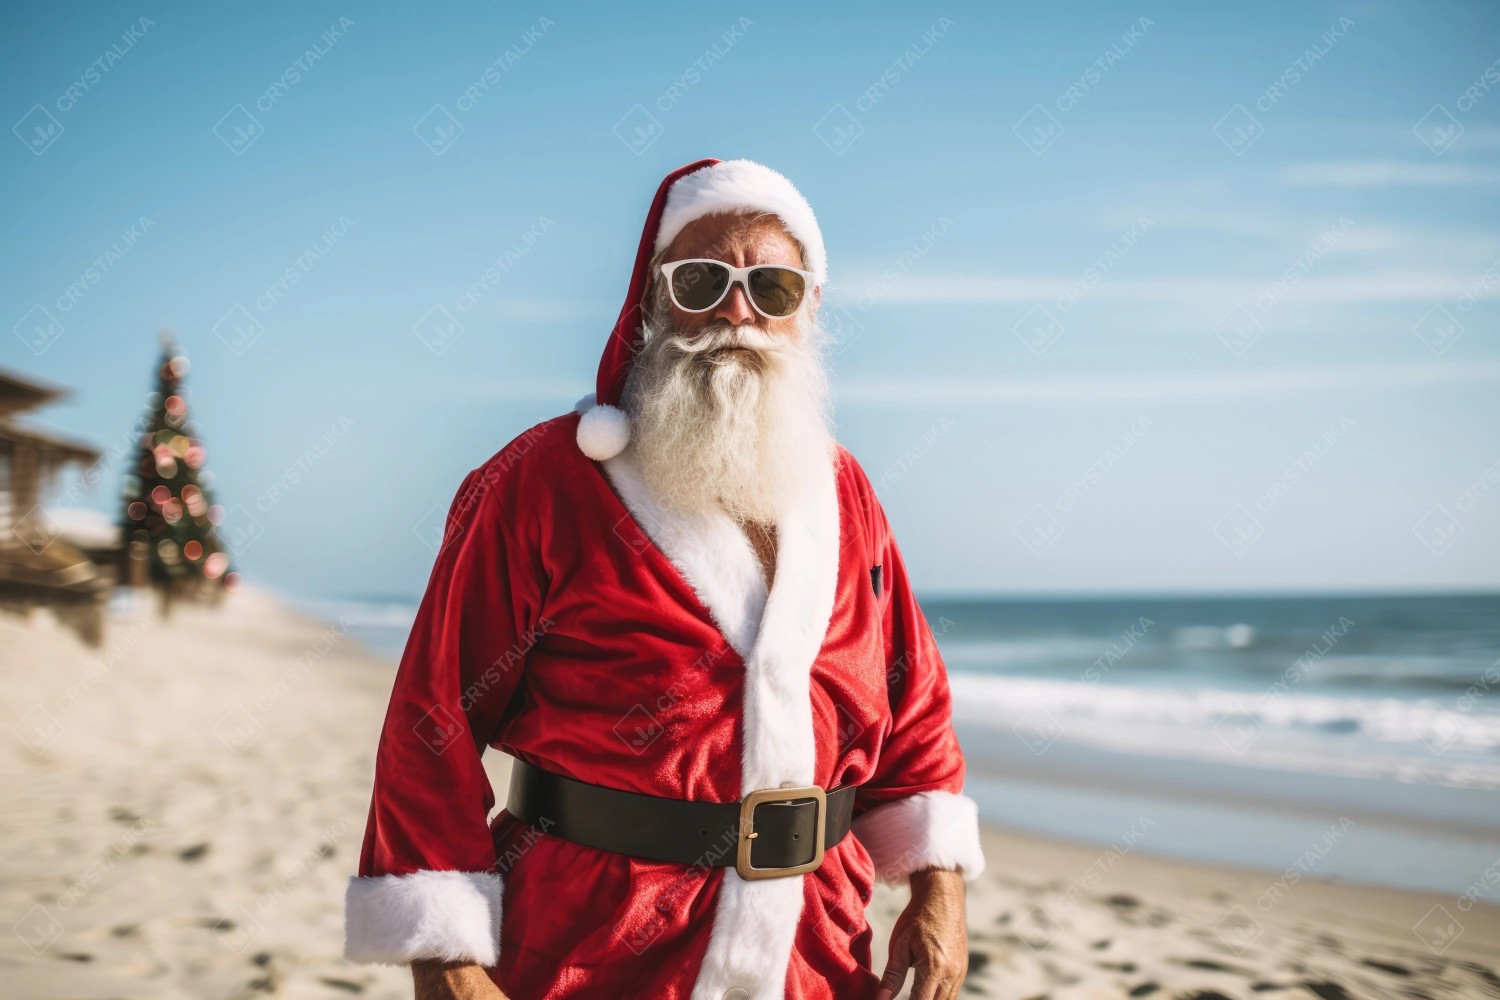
735,309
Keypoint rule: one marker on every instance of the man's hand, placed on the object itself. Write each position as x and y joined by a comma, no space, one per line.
453,981
931,936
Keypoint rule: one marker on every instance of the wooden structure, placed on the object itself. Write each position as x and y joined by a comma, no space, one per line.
38,565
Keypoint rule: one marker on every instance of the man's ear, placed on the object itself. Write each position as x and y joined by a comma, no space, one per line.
817,297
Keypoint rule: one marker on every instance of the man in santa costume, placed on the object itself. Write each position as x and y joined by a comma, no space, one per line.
681,609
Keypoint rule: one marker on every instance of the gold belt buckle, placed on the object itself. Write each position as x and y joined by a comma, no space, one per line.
747,830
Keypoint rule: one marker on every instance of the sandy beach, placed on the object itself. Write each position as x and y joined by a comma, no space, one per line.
185,805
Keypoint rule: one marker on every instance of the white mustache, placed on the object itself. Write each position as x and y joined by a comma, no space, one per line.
721,337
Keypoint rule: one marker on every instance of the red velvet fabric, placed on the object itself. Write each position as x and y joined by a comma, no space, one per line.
555,631
615,364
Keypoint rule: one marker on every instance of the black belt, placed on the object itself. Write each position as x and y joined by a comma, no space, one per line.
771,833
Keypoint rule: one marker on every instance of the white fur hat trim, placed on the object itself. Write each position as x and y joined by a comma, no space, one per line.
744,186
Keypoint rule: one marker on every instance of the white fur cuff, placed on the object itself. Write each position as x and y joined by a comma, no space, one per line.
448,916
928,830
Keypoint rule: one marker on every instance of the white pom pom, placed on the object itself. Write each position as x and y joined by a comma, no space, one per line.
603,432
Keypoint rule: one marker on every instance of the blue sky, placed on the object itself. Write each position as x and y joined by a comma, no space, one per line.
1041,368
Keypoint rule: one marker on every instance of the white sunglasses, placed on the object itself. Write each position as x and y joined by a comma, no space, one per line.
700,284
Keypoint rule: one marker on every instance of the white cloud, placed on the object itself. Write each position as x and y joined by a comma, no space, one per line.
1476,137
484,390
1372,173
1161,386
544,309
1396,286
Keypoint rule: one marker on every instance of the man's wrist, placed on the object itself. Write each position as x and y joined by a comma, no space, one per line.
931,879
437,980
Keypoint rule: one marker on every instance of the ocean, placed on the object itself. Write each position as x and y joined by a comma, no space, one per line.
1342,737
1353,738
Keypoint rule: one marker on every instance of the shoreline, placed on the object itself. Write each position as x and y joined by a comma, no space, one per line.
184,826
1065,920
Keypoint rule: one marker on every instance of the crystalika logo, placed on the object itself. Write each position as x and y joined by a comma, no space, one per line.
638,729
38,329
638,130
38,129
838,129
438,329
1038,129
1238,129
238,129
439,729
1038,329
1437,129
438,130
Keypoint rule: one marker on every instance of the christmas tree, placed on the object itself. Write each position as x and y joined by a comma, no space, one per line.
169,508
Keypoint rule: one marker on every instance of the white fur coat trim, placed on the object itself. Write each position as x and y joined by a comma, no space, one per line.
778,634
709,550
448,916
739,186
927,830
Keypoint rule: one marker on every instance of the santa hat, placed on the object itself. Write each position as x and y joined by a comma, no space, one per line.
707,187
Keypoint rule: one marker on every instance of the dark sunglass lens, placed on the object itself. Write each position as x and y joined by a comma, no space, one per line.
777,290
699,285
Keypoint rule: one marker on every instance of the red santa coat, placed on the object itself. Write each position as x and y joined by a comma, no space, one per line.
572,622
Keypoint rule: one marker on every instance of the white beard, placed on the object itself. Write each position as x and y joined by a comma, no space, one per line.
730,417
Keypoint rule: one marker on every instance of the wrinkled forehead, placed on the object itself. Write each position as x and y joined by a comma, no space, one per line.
738,238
